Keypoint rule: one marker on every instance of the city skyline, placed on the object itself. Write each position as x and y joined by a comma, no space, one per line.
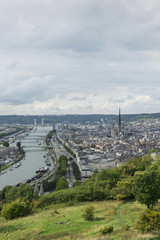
79,57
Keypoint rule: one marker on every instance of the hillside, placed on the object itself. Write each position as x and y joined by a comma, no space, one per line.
66,222
73,118
112,193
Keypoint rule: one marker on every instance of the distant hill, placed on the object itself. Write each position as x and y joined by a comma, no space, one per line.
70,118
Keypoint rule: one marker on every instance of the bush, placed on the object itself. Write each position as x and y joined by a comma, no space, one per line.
35,204
1,206
89,213
106,229
126,227
16,209
149,221
120,197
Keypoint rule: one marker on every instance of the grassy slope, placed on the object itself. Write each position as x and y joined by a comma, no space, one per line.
45,224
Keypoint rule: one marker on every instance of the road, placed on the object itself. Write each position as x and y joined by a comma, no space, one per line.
60,150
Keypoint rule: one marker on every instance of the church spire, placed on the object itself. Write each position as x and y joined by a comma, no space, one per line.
120,125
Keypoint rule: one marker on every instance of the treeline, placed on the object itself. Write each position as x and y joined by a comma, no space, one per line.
69,150
76,171
49,136
116,183
9,133
53,119
59,181
58,140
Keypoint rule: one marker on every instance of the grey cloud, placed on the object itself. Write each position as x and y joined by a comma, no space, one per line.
120,100
27,91
90,107
91,48
77,99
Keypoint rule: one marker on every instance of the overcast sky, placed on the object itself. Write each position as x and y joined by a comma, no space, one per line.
79,56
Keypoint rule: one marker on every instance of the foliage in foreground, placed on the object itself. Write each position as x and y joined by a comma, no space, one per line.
108,184
16,209
89,213
11,193
146,188
106,229
66,223
149,221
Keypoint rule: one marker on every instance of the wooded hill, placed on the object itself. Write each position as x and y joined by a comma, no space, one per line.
72,118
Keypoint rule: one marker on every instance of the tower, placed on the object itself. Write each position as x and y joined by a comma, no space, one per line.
120,124
42,121
113,130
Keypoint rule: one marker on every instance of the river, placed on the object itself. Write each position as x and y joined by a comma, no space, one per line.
34,158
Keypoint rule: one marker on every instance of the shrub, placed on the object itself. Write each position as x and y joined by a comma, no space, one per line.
106,229
149,221
89,213
35,204
126,227
16,209
120,197
1,206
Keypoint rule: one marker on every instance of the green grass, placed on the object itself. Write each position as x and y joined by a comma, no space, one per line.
4,167
65,223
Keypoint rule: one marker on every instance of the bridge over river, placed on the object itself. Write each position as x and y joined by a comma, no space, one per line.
34,158
36,147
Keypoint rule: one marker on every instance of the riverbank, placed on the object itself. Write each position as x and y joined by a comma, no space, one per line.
20,155
34,158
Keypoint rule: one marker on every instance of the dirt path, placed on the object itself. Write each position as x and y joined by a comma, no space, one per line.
119,213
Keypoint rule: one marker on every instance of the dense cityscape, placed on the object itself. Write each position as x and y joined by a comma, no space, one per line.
91,146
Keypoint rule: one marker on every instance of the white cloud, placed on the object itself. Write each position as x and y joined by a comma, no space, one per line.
84,56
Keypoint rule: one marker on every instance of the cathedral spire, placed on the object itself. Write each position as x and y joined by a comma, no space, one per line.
120,125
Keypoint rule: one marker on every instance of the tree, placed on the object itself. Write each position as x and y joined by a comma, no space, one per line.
19,145
6,144
146,188
23,192
4,191
76,183
76,171
61,183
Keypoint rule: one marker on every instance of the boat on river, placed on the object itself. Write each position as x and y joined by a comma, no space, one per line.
47,162
4,171
42,169
18,165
